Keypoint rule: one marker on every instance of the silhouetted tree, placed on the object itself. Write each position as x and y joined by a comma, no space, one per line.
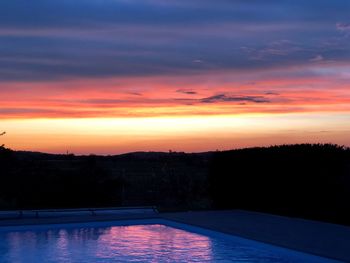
1,134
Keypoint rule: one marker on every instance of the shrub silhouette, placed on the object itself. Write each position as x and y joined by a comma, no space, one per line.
304,180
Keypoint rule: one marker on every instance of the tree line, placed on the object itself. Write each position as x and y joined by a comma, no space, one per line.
305,180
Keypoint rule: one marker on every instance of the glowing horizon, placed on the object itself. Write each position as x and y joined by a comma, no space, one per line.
189,134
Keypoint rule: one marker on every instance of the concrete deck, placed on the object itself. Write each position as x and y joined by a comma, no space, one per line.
322,239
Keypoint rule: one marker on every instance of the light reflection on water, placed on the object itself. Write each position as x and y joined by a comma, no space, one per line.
155,242
139,243
136,243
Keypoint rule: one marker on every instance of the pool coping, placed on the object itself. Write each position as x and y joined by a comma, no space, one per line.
57,216
74,219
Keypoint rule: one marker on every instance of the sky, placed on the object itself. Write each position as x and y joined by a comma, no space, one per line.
115,76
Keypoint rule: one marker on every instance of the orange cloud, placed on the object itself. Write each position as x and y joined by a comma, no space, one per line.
139,97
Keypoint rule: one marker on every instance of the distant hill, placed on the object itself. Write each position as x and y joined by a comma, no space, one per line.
305,180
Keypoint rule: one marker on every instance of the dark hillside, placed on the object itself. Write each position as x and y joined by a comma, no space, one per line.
311,181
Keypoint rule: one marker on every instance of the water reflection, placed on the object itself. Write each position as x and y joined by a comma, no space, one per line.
140,243
136,243
156,243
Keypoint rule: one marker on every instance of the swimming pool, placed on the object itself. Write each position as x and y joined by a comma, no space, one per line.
135,241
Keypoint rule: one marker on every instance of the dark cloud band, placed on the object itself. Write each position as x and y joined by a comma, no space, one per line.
50,40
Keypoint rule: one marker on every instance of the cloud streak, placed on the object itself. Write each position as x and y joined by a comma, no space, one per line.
227,98
188,92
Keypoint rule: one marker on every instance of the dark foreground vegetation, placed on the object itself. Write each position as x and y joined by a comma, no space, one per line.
310,181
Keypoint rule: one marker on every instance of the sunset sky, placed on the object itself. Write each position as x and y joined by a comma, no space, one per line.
115,76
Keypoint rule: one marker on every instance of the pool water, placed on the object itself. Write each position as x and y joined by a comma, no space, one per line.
141,241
